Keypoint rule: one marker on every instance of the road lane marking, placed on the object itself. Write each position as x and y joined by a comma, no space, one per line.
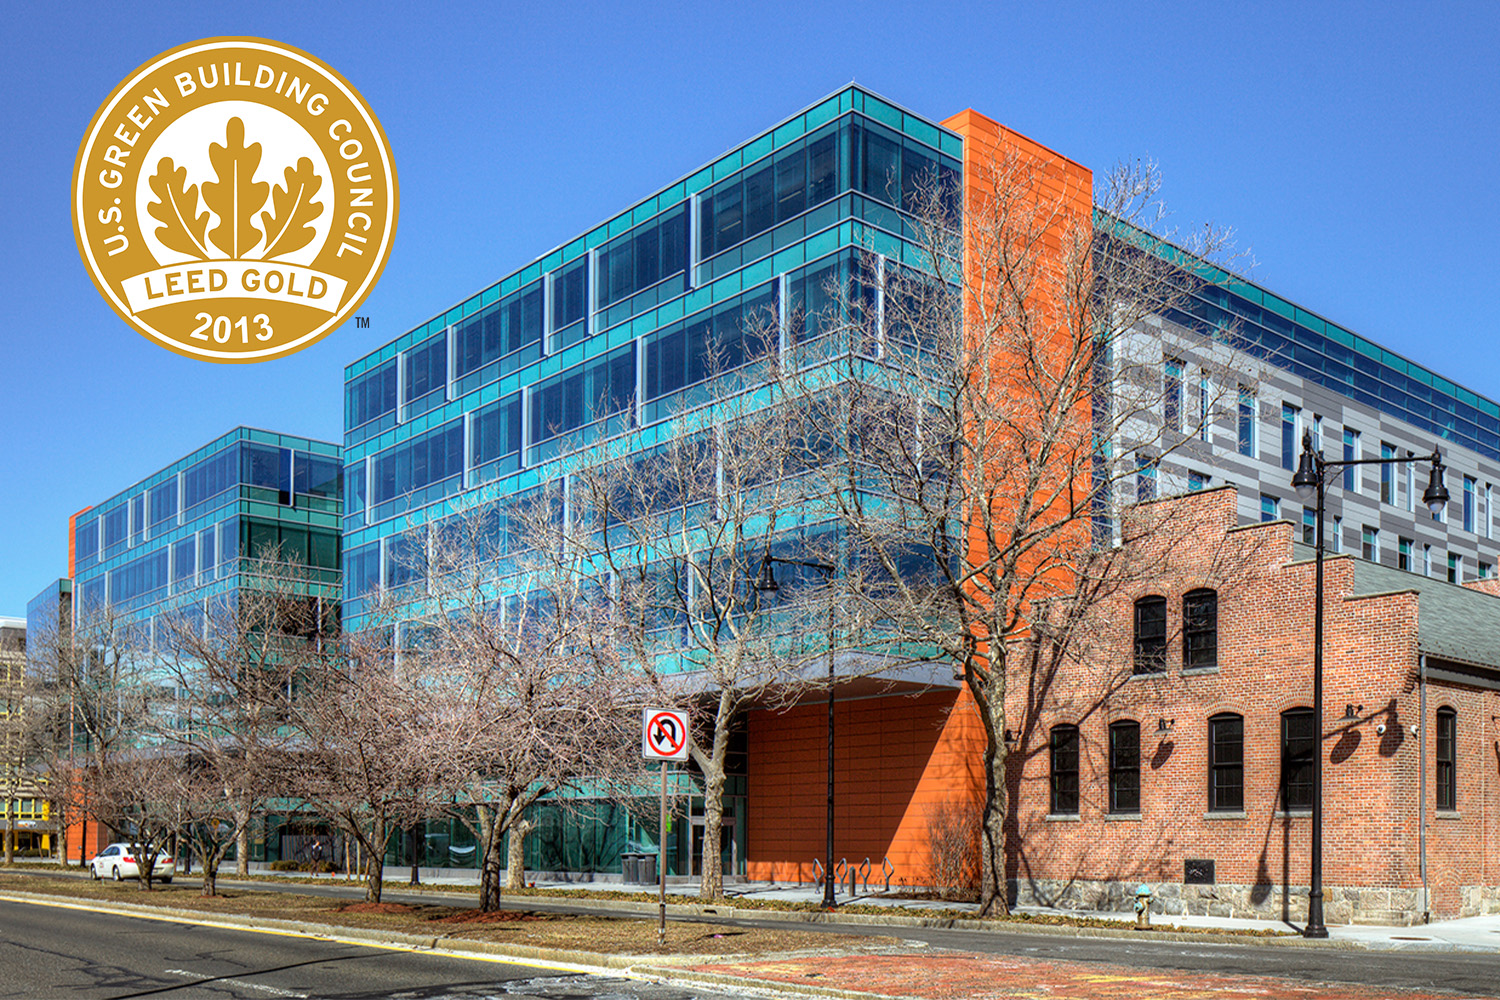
236,982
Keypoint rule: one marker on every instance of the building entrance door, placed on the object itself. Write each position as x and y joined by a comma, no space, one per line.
728,846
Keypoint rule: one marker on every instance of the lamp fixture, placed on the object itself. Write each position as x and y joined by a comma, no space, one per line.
1164,725
1435,496
1351,712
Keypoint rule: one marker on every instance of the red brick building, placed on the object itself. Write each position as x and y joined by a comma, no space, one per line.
1174,749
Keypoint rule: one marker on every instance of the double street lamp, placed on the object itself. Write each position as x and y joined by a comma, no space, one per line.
766,583
1311,479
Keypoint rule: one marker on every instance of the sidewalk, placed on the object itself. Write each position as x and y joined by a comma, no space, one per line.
1467,934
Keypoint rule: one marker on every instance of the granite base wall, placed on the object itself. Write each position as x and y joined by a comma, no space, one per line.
1341,904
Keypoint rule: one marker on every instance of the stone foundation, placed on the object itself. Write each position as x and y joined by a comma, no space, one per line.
1341,904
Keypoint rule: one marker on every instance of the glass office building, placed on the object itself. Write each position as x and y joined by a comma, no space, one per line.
615,330
185,533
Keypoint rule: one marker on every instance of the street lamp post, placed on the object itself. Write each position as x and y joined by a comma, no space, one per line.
1311,479
766,583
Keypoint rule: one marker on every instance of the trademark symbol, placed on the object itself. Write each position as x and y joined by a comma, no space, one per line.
361,322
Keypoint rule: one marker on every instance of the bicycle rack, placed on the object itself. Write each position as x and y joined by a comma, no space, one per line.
818,873
864,875
889,869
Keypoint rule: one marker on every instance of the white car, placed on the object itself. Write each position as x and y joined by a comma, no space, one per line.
118,861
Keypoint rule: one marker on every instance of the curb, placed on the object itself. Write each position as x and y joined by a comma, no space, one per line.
721,912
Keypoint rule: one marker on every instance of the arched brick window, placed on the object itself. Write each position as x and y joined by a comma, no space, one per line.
1447,758
1065,770
1200,629
1150,634
1125,766
1299,741
1226,763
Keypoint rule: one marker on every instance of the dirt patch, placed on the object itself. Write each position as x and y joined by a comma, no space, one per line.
385,908
493,917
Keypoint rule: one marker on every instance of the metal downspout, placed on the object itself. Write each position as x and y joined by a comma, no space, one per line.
1422,784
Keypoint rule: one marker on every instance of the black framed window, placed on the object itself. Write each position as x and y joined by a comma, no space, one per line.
1065,770
1125,767
1447,759
1299,741
1150,634
1226,763
1200,628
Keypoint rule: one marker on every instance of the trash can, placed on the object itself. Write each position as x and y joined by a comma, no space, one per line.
630,869
646,868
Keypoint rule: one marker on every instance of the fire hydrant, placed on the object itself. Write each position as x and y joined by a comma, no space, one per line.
1143,908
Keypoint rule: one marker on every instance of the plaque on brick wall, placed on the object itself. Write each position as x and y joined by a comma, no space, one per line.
1198,871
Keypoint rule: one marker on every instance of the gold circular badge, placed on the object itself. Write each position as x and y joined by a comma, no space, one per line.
234,199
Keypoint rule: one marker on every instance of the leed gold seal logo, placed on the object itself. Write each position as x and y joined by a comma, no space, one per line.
234,199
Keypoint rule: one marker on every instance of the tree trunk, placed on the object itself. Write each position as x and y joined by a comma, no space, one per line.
712,885
515,867
994,894
10,832
242,839
210,858
375,863
489,861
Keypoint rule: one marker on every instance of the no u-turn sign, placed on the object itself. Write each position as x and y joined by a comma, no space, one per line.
664,734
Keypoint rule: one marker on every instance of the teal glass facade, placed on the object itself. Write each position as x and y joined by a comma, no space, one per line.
616,328
182,534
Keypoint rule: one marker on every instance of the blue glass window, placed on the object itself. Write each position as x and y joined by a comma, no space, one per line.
207,551
498,330
1468,503
733,333
164,502
1246,423
800,176
496,433
362,569
1289,435
1387,473
354,488
570,296
116,525
137,519
210,477
1270,508
317,475
370,395
184,555
1171,408
138,577
426,368
643,256
267,467
1351,452
86,539
425,459
568,401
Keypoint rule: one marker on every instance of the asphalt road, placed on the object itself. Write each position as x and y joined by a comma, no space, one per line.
1464,973
50,951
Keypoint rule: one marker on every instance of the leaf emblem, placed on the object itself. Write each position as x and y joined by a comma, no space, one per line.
235,197
289,225
176,208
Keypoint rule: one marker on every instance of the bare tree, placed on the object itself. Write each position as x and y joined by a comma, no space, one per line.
1008,397
357,753
520,673
679,534
103,696
236,662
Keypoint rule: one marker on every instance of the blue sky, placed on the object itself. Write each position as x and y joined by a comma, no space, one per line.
1353,148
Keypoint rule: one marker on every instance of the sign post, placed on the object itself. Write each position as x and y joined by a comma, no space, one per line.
664,734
